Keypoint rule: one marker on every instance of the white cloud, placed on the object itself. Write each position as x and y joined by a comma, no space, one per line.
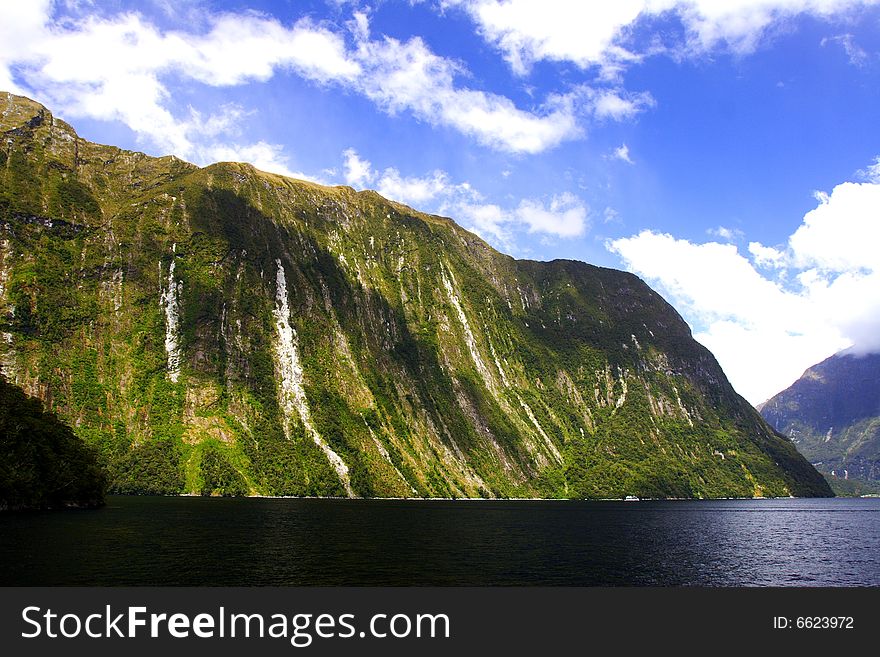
358,172
527,31
264,156
414,191
564,215
20,20
858,56
599,34
842,233
117,67
113,68
611,216
777,356
763,335
728,288
360,25
771,314
614,104
408,76
725,233
622,153
767,256
488,221
871,173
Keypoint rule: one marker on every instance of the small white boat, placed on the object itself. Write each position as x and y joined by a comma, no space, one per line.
631,498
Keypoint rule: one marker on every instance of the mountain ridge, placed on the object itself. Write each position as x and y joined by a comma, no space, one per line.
226,331
832,413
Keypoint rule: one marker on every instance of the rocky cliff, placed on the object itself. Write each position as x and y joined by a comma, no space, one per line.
223,330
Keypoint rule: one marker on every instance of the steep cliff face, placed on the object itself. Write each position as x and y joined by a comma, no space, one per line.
832,413
224,330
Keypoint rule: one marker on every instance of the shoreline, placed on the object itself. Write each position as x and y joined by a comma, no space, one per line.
493,499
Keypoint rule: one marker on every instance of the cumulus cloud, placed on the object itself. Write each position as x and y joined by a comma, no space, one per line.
263,155
774,311
527,31
420,192
563,215
118,67
600,34
408,76
487,220
842,233
414,190
767,256
114,68
357,171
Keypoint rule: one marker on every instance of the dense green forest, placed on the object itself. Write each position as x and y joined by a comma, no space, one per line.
43,464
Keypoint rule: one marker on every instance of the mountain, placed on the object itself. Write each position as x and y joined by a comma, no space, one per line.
43,465
221,330
832,414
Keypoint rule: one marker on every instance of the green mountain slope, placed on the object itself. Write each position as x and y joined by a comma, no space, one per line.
223,330
832,414
43,465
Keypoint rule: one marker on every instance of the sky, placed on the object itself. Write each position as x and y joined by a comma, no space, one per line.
728,152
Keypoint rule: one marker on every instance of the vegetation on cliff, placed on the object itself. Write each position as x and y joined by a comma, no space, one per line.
832,414
43,465
226,331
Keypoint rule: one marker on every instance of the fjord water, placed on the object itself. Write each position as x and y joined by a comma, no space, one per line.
252,541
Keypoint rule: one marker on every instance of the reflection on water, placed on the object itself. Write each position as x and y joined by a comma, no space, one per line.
245,542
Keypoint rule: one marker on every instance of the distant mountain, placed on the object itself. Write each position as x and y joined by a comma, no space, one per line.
221,330
832,413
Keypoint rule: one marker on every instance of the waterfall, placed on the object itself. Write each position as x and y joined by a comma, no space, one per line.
171,308
291,392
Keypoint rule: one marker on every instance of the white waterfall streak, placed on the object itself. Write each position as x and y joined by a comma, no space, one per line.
7,348
387,457
469,338
291,392
484,370
540,429
171,308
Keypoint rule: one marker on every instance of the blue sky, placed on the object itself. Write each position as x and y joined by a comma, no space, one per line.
724,151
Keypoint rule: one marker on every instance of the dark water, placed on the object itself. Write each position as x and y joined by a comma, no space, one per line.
204,541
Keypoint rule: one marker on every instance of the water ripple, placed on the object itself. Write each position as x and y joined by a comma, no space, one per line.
246,542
